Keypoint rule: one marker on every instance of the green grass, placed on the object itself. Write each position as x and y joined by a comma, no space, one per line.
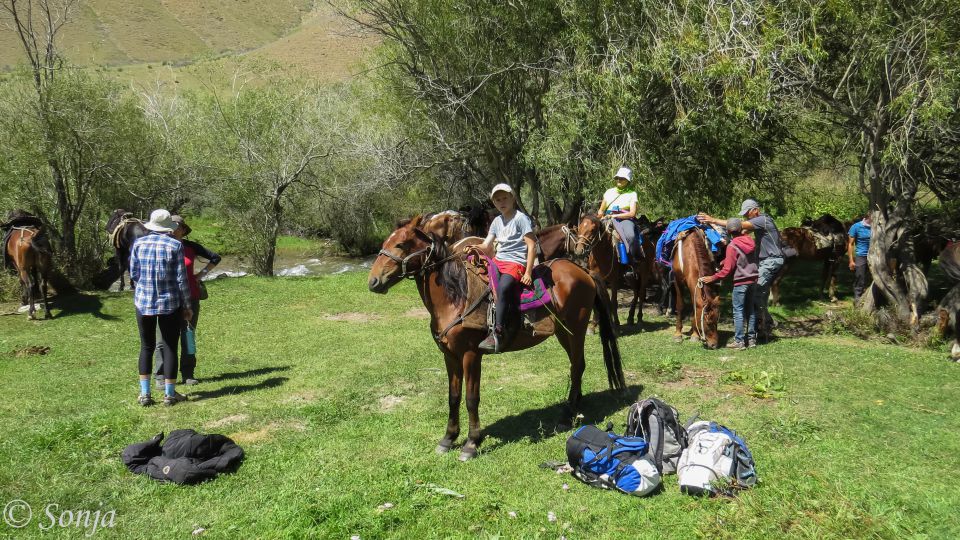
859,440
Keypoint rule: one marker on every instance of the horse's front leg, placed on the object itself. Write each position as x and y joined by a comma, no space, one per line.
639,291
678,300
120,263
454,388
614,302
471,368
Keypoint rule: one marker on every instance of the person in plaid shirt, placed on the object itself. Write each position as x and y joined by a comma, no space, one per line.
162,299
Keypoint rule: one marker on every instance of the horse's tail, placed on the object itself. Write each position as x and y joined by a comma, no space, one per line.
608,337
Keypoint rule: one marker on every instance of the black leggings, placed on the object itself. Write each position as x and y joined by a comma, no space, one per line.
188,362
169,335
508,299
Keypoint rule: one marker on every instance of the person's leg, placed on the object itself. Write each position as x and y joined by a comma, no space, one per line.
628,235
147,326
861,269
769,268
750,314
507,293
169,335
188,362
738,298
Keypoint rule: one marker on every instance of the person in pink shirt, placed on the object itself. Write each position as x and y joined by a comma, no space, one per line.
741,260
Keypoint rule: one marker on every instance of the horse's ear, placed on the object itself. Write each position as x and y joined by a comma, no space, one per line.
416,220
403,222
422,235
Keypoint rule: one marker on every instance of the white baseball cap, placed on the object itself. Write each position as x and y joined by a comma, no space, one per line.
500,187
624,173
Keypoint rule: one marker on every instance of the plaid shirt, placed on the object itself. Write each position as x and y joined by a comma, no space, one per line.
157,269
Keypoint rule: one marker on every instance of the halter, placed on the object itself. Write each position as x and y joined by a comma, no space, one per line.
590,244
403,262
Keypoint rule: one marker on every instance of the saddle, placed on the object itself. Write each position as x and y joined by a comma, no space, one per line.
825,242
118,230
536,316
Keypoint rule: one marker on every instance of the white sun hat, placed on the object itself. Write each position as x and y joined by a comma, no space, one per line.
500,187
160,221
624,172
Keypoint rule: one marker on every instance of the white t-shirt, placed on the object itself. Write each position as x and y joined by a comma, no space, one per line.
509,237
623,200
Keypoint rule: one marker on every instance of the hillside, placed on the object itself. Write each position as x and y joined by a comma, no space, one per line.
136,38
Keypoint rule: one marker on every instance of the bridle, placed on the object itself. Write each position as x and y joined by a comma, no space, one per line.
404,273
425,266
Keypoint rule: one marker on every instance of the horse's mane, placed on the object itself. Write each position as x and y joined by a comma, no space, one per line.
452,274
704,260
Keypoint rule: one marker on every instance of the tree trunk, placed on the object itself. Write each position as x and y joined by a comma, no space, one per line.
891,258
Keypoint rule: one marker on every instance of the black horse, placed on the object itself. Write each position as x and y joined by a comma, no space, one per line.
123,230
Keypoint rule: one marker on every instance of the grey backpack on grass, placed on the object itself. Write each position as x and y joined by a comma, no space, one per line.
659,424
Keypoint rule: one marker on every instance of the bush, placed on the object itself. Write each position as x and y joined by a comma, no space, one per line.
9,287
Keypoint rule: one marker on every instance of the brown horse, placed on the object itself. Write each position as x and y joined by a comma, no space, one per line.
823,239
28,249
692,261
441,278
595,237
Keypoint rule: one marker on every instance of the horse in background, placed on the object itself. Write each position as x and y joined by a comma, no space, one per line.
595,237
441,279
950,306
691,261
27,249
123,230
823,239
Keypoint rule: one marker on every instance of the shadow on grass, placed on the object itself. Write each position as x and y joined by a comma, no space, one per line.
244,374
77,304
538,424
272,382
643,326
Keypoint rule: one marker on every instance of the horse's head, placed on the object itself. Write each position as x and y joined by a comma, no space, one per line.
403,254
588,234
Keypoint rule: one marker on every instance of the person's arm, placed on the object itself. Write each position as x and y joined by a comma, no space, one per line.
134,267
487,245
729,262
704,217
531,242
747,225
850,252
182,284
603,207
212,258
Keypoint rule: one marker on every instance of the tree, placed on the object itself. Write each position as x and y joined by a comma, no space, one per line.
268,141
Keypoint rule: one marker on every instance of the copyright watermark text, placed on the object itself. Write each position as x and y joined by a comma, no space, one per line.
18,514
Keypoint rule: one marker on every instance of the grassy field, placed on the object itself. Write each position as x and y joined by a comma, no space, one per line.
338,398
177,42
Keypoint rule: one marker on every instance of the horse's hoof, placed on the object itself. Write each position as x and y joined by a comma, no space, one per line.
678,339
441,449
695,339
468,453
591,331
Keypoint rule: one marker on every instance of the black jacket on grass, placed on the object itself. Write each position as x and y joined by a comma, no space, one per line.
187,457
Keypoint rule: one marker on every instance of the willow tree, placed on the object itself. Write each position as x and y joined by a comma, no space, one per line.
886,75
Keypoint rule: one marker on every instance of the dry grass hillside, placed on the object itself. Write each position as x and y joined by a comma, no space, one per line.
137,37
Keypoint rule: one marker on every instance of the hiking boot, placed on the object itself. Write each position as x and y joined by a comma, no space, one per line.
752,343
191,381
174,399
145,399
491,343
738,345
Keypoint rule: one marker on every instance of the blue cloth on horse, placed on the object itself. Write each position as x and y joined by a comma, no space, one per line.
677,226
532,297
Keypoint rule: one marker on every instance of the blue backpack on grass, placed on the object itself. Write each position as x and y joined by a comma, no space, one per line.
606,460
